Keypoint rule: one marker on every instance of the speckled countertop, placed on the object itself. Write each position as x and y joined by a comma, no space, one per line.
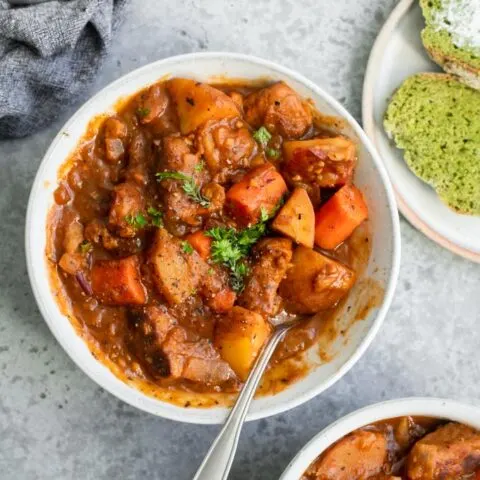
55,423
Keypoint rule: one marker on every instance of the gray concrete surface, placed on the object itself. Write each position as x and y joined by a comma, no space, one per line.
55,423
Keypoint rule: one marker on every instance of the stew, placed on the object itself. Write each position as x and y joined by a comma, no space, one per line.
193,217
405,448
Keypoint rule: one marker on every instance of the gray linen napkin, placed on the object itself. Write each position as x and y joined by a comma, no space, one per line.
49,54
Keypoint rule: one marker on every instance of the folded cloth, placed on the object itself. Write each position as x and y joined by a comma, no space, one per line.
49,54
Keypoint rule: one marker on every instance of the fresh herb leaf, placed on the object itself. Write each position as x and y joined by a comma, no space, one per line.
230,248
143,111
187,248
200,166
262,136
189,186
272,153
210,271
85,247
136,221
155,217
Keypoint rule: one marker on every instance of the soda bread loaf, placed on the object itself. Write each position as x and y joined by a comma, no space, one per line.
435,119
452,36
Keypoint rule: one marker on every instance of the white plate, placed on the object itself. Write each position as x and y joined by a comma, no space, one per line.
397,54
370,176
425,407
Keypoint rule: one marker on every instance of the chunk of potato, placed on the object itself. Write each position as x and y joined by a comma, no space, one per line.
239,337
296,219
315,282
197,102
177,273
359,455
118,282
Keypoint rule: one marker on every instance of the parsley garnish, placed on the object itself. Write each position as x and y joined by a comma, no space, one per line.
156,217
143,111
136,221
187,247
200,166
85,247
272,152
229,248
189,186
262,136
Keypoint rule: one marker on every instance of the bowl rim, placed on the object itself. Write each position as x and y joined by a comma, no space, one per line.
179,414
415,406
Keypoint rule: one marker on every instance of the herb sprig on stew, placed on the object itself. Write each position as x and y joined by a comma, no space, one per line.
189,186
230,248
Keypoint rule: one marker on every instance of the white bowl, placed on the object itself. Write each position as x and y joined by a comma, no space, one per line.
425,407
371,177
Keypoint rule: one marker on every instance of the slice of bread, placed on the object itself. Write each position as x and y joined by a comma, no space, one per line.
435,119
452,37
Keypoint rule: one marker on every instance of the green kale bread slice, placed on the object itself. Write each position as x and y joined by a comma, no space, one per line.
452,36
435,119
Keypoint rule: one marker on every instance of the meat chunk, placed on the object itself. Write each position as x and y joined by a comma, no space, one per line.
169,350
447,453
279,109
149,328
239,337
153,103
178,156
116,132
196,103
127,203
177,274
358,456
139,159
315,282
227,147
323,162
195,359
118,282
272,256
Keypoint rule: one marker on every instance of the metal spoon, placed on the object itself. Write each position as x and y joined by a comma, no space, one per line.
218,461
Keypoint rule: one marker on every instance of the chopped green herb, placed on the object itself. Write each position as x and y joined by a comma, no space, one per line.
229,248
262,136
272,152
210,271
143,111
200,166
85,247
136,221
187,248
189,186
155,217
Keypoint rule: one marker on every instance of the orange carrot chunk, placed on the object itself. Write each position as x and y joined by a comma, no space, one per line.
261,188
201,243
339,217
223,301
118,282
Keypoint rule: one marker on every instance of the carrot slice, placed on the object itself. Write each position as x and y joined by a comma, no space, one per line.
261,188
118,282
339,217
201,243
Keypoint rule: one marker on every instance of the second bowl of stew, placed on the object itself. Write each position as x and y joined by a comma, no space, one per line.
193,205
406,439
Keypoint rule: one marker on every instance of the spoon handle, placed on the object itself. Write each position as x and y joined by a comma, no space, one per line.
219,459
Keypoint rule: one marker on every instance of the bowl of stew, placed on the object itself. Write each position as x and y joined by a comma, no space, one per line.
192,205
411,438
